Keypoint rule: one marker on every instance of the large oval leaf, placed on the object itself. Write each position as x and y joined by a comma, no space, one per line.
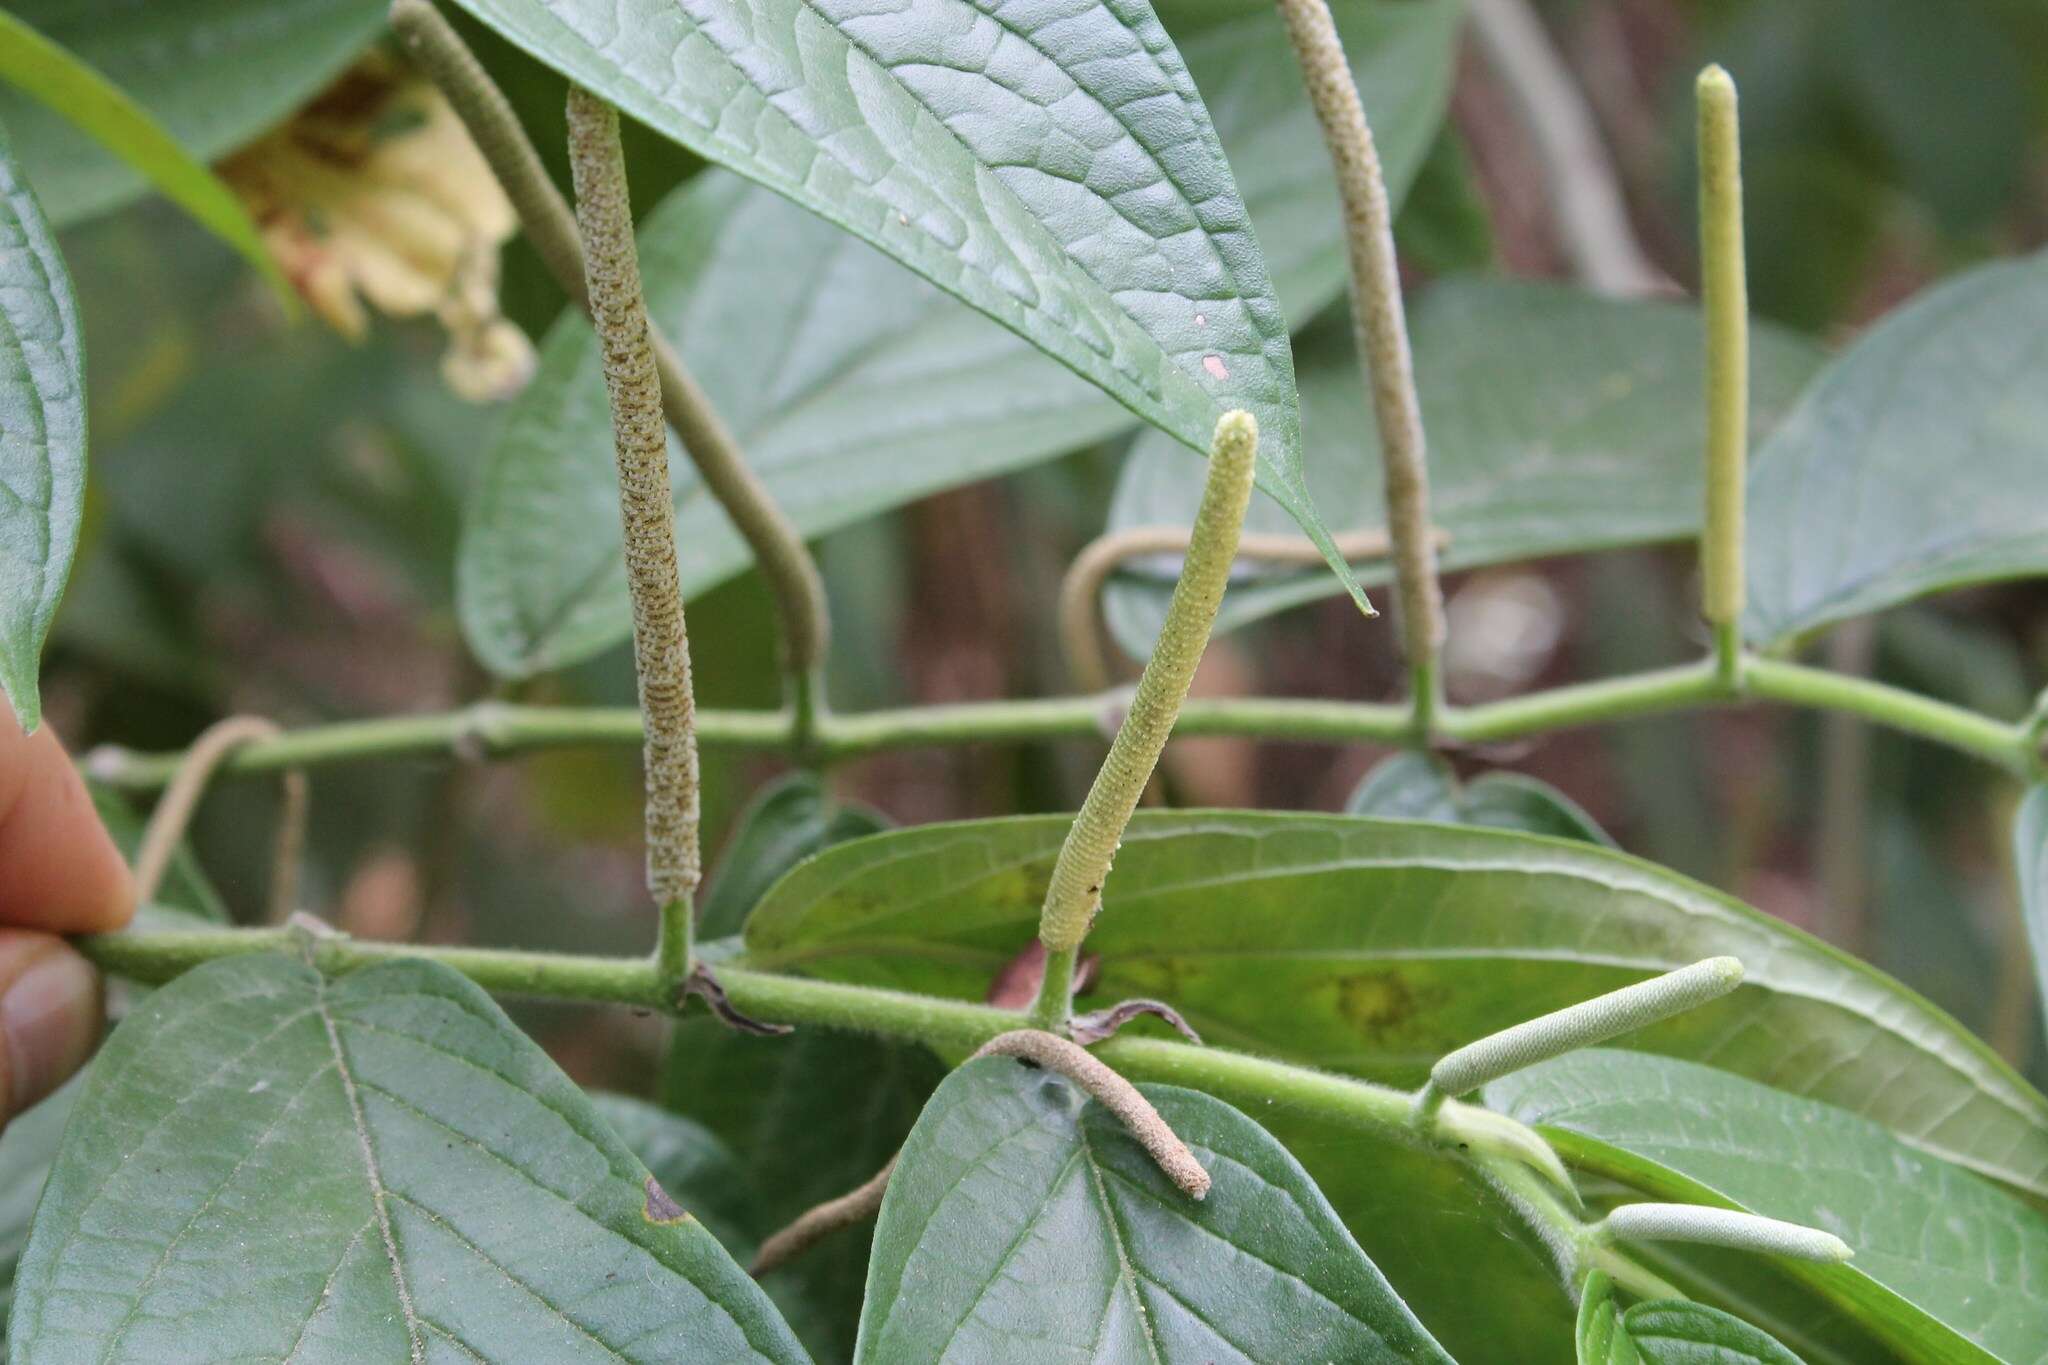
1947,1267
215,73
1051,165
1023,1222
270,1164
853,385
1558,422
42,435
1917,462
1373,947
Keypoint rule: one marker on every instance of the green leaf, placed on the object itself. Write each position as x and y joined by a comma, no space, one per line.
212,73
809,1116
1412,786
853,385
1052,167
1917,462
1944,1261
42,435
267,1163
185,886
1436,1229
1446,225
695,1169
1602,1340
27,1149
2030,856
1373,947
1024,1222
47,72
786,823
1678,1332
1558,422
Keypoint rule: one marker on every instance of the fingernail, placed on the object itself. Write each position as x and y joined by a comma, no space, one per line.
51,1018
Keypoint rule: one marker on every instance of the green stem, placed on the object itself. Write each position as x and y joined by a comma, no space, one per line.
948,1026
500,729
1055,998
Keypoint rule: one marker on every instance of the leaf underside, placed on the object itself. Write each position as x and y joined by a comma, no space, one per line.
1558,422
1023,1222
1917,462
42,435
1946,1265
853,385
267,1163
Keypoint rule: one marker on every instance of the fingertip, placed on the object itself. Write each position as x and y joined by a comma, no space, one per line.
63,871
50,1015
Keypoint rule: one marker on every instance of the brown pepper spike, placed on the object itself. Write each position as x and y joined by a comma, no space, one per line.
1113,1093
1045,1050
661,648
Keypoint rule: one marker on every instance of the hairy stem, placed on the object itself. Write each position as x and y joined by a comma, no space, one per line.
661,646
1381,327
497,729
786,564
947,1026
1725,297
1075,892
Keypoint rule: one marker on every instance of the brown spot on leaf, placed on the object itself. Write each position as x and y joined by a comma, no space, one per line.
659,1208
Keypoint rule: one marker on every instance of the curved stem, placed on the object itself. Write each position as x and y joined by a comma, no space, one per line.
1381,327
786,564
1080,604
167,823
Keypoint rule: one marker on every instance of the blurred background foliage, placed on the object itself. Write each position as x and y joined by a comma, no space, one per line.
274,513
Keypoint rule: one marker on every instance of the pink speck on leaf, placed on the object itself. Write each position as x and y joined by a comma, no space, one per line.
1215,366
1201,321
